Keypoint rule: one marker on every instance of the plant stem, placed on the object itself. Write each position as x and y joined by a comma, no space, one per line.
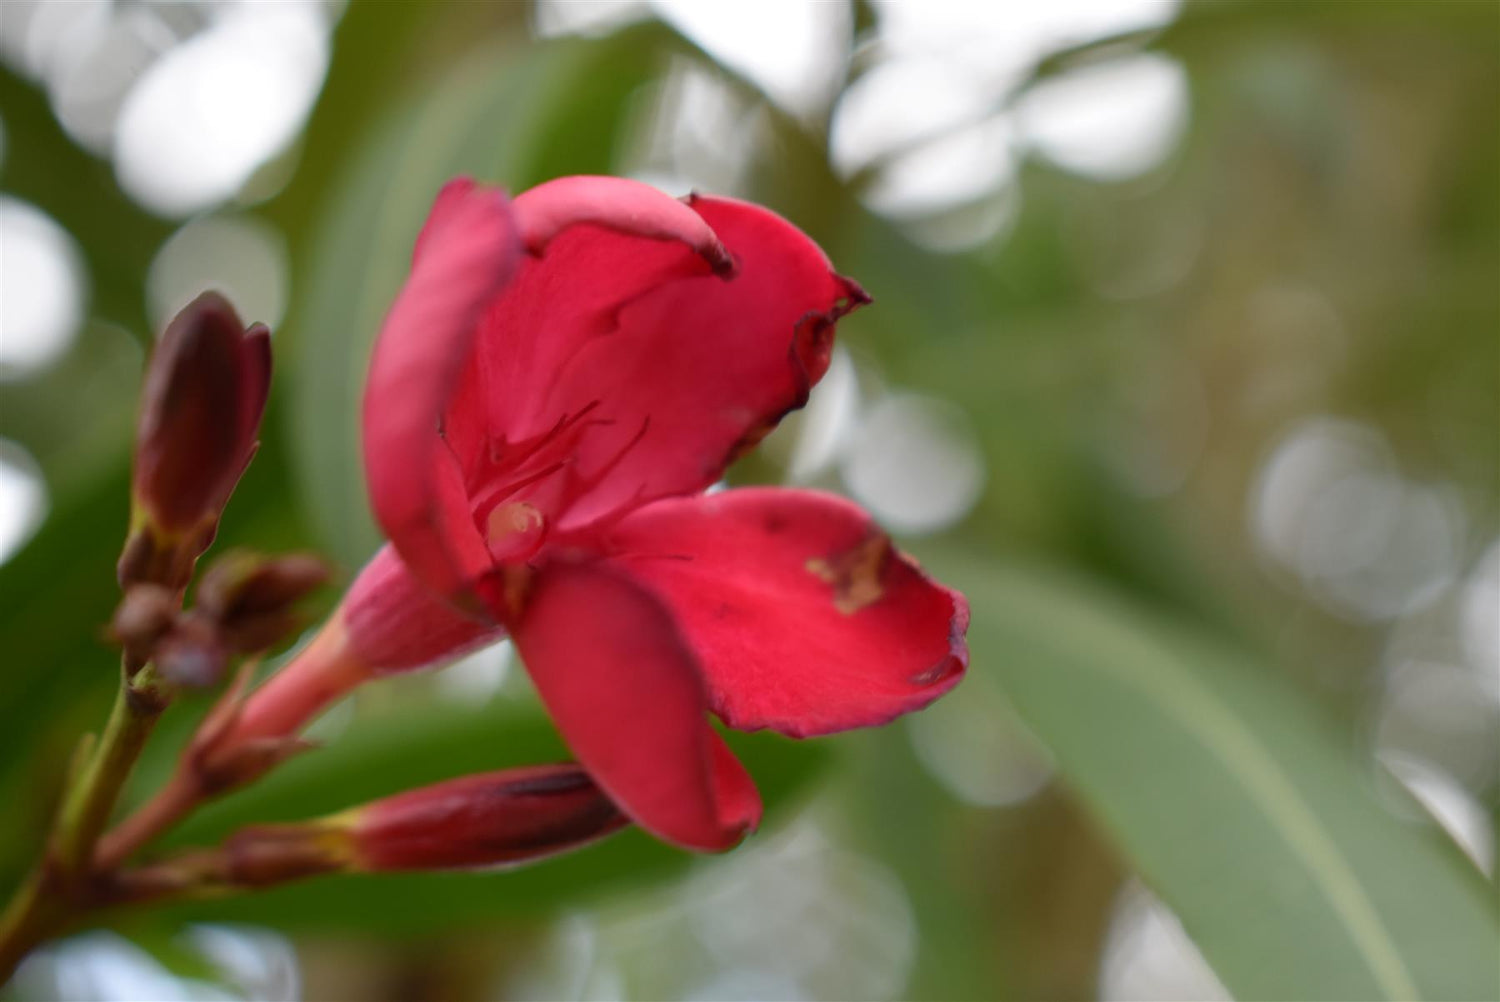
31,917
138,705
243,738
167,806
62,884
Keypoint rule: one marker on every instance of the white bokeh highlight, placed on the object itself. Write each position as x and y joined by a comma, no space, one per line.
1330,506
978,749
258,963
1111,121
1454,808
1481,619
89,90
23,498
106,967
1149,958
791,49
830,418
43,290
214,109
915,463
790,915
241,256
476,678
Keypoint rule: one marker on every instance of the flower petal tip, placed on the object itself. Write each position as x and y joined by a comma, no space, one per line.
854,296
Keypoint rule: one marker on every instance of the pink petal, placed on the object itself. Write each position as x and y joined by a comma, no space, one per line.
628,207
802,615
615,369
625,693
468,252
394,624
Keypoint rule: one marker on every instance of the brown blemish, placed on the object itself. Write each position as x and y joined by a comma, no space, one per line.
775,523
936,673
854,573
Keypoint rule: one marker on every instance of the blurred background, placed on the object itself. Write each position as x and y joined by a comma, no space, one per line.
1183,364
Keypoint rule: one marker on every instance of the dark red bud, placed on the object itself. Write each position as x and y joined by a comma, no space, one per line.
192,653
204,393
486,820
241,583
252,597
143,617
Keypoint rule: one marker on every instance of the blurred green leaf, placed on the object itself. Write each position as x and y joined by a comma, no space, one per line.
1236,802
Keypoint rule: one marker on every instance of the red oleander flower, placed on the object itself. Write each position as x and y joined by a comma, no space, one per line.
560,379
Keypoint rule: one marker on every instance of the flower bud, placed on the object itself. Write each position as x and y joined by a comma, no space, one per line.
204,393
143,617
192,653
252,597
485,820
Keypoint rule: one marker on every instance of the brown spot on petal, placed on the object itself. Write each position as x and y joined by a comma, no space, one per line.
936,673
854,573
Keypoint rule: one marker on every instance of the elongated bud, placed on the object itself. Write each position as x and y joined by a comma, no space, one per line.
201,406
485,820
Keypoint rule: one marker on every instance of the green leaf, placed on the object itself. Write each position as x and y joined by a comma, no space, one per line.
1236,801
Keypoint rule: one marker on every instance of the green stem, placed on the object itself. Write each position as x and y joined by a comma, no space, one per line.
62,885
138,705
31,917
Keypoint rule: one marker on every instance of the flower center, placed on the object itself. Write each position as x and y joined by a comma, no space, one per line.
515,530
522,492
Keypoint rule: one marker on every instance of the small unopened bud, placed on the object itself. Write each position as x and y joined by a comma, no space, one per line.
143,617
192,653
252,598
485,820
204,393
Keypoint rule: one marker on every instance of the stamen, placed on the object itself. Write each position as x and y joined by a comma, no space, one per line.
515,531
614,461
